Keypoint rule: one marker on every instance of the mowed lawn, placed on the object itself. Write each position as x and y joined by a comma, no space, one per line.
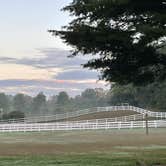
84,148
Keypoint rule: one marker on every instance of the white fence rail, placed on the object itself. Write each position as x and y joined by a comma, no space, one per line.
80,126
36,119
161,115
116,119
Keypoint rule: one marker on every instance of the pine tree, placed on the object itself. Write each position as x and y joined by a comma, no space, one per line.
126,35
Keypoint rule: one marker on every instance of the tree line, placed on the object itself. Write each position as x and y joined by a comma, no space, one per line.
152,96
20,105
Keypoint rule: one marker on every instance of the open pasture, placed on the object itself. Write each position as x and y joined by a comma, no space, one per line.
67,142
80,148
86,147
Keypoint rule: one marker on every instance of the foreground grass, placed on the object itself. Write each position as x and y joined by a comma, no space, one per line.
84,148
150,158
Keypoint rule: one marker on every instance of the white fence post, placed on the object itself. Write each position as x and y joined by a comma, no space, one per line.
96,123
155,122
143,125
119,125
131,124
39,127
106,124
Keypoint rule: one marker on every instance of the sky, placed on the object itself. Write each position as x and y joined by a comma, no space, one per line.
31,59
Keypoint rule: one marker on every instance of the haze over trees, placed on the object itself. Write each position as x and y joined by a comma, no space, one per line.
39,104
4,102
18,106
126,40
21,105
126,35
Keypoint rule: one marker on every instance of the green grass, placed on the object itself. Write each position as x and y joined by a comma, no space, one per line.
150,158
84,148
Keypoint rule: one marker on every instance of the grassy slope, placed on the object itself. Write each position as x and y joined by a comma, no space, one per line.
101,115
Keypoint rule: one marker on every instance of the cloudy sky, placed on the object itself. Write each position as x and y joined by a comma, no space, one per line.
31,60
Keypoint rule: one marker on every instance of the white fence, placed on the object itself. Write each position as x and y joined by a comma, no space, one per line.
80,126
116,119
124,122
161,115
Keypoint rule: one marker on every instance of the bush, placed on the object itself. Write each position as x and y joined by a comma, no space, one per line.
13,115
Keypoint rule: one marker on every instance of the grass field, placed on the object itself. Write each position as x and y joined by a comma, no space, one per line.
112,159
84,148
